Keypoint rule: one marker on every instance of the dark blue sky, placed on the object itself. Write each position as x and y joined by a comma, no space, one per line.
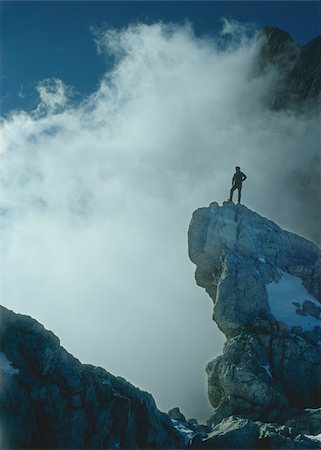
53,39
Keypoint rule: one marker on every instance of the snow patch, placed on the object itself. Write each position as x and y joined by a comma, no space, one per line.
317,437
187,433
281,296
6,365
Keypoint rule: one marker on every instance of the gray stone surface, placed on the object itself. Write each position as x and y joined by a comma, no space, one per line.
307,421
176,414
237,252
268,371
54,401
237,433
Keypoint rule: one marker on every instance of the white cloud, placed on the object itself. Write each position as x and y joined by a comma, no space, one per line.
98,197
53,96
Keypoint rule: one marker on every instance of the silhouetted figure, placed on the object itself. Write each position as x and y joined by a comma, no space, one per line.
237,181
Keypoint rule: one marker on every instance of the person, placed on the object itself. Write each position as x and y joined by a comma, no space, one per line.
237,181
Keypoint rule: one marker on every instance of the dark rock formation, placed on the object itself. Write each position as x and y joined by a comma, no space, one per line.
192,431
293,73
49,399
175,414
298,82
270,370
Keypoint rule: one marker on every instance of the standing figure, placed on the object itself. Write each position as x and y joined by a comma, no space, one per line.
237,181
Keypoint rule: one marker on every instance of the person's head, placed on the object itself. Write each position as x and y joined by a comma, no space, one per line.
237,168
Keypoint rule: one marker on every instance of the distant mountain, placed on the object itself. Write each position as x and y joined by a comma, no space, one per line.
295,87
299,69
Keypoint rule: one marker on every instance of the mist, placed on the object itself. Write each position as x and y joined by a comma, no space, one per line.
96,199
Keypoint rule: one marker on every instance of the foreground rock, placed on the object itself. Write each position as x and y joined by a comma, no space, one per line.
49,399
237,433
260,279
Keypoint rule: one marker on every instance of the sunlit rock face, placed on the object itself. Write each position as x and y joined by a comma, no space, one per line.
265,284
48,399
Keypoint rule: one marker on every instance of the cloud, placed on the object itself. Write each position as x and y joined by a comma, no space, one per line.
53,96
97,198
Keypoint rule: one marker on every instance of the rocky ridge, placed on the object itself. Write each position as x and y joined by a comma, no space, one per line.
265,284
48,399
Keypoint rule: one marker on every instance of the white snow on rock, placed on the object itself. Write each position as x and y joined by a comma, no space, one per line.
281,296
6,365
316,437
188,433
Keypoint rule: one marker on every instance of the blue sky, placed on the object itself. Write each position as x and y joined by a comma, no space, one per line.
42,40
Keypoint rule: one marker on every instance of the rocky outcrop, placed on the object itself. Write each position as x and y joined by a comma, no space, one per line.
237,433
49,399
265,284
298,82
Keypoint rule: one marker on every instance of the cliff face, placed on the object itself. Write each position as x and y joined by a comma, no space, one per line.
299,69
265,284
48,399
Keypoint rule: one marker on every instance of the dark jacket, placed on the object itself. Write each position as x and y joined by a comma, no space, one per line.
238,177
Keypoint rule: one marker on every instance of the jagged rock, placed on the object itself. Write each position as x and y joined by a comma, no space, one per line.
298,81
192,421
308,421
238,433
175,414
294,74
49,399
201,428
277,47
196,441
271,363
192,431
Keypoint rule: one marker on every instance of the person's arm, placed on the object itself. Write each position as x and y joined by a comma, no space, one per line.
244,177
233,179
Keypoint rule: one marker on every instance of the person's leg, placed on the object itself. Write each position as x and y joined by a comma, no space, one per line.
239,189
231,192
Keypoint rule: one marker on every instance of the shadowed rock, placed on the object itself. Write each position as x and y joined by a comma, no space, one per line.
49,399
298,69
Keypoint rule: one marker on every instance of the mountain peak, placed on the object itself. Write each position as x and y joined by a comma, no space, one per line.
298,81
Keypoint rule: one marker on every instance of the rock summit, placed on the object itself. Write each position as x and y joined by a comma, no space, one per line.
265,284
